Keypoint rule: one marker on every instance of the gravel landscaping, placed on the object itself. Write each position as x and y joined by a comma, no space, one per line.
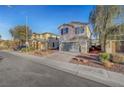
92,60
41,52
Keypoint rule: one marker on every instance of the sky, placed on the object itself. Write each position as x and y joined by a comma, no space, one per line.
43,18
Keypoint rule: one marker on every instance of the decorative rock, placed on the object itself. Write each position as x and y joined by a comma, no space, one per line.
85,61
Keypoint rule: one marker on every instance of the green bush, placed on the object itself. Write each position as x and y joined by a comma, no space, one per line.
104,57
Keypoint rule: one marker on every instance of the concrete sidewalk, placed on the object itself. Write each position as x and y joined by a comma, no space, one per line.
96,74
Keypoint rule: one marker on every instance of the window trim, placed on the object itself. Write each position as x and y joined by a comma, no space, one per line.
79,30
64,31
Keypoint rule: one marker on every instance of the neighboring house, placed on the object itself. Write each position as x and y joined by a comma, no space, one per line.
45,41
115,40
75,37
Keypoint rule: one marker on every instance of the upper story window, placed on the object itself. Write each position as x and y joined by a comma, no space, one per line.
64,31
82,30
79,30
61,31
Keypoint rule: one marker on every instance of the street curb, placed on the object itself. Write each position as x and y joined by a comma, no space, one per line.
78,70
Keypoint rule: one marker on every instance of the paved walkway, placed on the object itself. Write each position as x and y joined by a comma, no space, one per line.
92,73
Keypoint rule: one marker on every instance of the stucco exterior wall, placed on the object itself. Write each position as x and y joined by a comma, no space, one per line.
45,41
75,42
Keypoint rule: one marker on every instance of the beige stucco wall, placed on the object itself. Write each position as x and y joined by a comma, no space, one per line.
43,36
71,34
44,45
110,46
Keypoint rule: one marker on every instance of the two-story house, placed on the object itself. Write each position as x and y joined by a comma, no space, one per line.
45,41
75,37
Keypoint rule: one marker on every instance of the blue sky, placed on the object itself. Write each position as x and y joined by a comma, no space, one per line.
41,18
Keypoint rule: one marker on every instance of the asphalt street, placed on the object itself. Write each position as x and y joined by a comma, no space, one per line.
16,71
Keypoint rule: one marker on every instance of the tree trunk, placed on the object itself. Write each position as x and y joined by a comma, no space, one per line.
104,43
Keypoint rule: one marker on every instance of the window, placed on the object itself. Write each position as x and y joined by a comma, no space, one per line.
64,31
61,31
79,30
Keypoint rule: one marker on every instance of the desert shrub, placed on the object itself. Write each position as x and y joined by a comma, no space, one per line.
23,50
27,49
104,57
3,48
117,58
31,48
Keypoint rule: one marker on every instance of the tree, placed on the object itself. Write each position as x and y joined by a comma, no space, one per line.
19,33
7,43
102,19
117,32
0,37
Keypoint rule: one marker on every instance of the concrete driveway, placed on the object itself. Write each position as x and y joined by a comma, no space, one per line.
61,56
16,71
